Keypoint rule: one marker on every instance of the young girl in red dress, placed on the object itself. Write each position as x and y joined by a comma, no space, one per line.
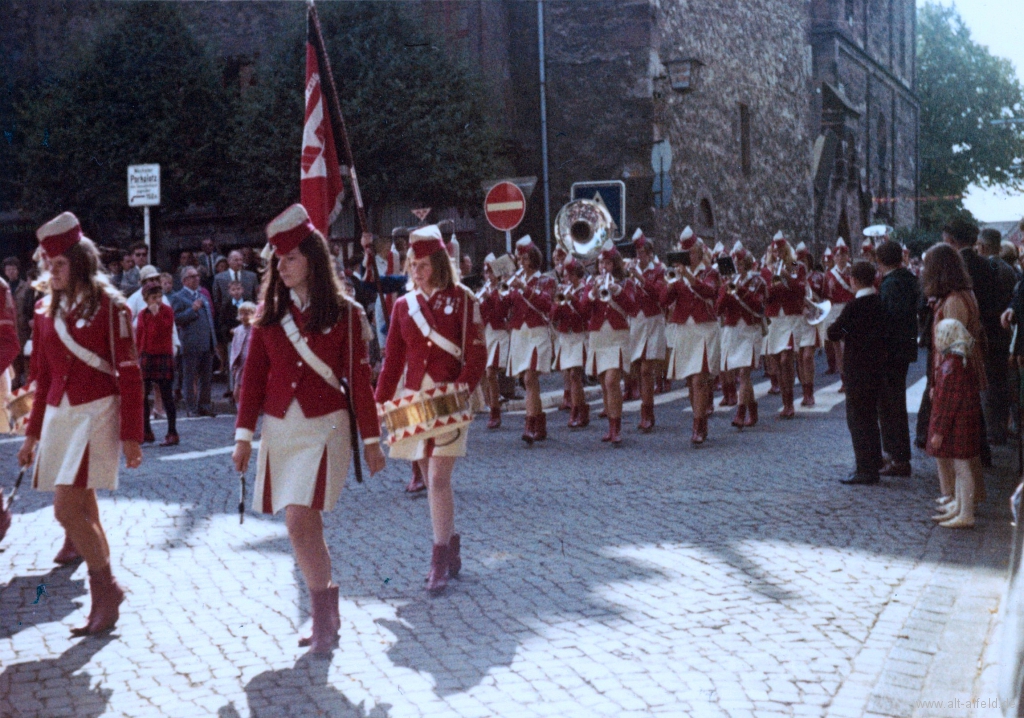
154,337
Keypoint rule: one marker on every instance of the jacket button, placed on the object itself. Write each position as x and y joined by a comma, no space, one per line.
294,385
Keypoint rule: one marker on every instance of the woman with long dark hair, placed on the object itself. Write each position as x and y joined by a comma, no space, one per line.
308,374
436,337
88,404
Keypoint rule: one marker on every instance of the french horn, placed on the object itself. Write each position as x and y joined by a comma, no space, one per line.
582,227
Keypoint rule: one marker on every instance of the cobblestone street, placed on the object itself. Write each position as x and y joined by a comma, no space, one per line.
735,579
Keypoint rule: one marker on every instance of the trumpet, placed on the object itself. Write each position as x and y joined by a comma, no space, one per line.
673,275
506,284
562,296
779,274
605,292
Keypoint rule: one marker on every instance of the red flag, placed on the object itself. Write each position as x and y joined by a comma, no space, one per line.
322,189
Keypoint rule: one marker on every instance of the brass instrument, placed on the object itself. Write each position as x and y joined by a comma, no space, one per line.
506,285
815,312
673,275
582,227
605,292
563,296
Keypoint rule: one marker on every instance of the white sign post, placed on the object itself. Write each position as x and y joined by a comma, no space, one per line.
144,191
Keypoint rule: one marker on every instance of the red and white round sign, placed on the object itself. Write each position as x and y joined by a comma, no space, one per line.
505,206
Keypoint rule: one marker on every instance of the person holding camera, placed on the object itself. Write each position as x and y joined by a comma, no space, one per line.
692,333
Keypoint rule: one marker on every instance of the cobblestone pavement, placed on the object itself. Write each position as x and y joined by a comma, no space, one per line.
735,579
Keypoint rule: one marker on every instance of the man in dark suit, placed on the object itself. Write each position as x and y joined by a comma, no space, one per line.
900,295
963,235
222,299
862,326
194,317
208,258
996,398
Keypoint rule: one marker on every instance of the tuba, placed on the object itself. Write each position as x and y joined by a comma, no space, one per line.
582,227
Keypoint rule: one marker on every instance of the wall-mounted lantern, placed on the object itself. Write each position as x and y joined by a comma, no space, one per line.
683,74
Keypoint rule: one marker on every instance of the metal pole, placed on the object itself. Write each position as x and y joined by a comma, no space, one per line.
543,130
508,241
145,230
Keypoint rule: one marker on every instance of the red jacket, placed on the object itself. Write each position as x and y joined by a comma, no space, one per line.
752,291
616,312
532,304
571,318
495,309
835,292
410,352
816,281
155,332
956,410
275,373
696,299
57,371
10,347
648,290
785,298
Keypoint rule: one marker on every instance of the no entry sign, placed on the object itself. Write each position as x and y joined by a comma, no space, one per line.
505,206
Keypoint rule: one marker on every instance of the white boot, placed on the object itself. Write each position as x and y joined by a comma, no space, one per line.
964,518
947,511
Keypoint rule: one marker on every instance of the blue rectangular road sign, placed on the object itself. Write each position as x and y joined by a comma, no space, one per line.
613,194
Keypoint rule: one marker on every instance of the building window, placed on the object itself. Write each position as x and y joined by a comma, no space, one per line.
745,139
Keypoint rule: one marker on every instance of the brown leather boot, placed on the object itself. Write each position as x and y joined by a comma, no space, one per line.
540,427
455,556
326,621
696,437
68,553
788,412
495,421
751,415
528,429
574,417
775,388
741,416
437,579
646,418
608,436
107,597
808,399
584,415
615,431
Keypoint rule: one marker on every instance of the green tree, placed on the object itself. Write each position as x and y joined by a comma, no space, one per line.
415,117
962,87
144,91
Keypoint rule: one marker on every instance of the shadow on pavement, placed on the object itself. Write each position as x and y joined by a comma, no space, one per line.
70,692
22,605
300,691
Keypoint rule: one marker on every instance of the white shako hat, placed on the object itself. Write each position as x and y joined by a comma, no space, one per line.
287,230
687,239
524,244
59,234
424,241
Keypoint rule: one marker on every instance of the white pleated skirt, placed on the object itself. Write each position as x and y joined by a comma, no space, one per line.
302,461
526,343
71,435
692,347
497,347
647,337
607,349
741,346
570,350
784,332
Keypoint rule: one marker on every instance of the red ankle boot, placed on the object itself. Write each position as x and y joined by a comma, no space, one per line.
615,431
646,425
495,421
584,415
437,579
416,483
540,427
326,621
741,416
68,553
788,412
751,415
565,405
455,556
775,388
698,436
808,399
107,597
574,417
528,430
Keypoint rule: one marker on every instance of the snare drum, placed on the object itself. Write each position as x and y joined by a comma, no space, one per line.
420,415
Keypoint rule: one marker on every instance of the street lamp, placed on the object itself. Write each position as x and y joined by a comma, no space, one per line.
683,74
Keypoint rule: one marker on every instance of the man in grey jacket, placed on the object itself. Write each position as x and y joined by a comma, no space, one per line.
194,317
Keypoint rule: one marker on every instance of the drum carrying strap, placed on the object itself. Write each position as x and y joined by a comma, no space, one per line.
85,355
416,312
291,330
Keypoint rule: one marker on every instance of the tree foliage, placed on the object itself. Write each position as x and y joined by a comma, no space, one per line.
144,91
962,87
414,116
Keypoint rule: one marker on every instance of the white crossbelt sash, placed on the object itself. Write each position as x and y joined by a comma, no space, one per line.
416,312
842,282
298,341
85,355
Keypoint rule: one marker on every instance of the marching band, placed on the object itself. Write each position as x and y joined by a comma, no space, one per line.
701,315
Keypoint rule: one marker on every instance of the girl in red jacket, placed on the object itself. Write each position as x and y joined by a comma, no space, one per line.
308,374
154,337
955,428
88,405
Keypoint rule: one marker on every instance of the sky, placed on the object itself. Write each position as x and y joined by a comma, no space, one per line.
998,24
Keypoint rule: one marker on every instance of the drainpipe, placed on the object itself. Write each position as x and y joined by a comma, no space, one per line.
544,130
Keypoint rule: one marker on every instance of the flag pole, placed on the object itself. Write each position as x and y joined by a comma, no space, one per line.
330,92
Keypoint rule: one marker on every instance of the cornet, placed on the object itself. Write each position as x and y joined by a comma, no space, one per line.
506,285
562,296
605,292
